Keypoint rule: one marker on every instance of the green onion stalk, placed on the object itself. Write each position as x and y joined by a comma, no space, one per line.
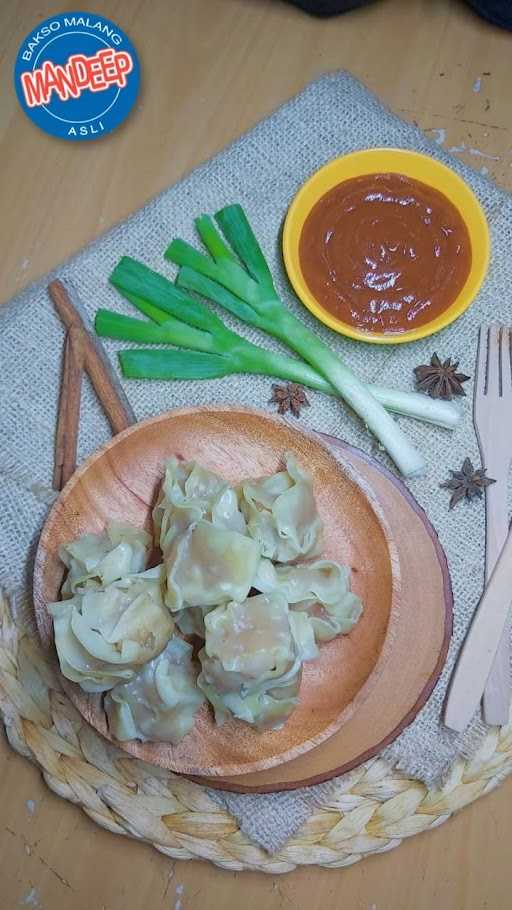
218,351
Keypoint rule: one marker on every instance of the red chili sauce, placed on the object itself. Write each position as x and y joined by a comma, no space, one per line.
384,252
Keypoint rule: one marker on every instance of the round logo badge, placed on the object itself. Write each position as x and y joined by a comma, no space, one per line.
77,76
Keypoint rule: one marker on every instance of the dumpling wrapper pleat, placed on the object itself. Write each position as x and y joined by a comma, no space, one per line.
159,704
281,513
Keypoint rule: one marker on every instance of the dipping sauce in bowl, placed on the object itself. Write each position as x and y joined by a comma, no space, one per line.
385,252
386,245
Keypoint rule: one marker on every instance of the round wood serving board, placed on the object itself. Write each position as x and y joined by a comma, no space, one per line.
418,653
121,482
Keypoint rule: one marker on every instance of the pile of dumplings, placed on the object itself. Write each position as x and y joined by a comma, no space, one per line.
240,571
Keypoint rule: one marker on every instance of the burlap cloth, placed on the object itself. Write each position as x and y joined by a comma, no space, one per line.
262,170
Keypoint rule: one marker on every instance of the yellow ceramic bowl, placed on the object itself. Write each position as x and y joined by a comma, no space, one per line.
398,161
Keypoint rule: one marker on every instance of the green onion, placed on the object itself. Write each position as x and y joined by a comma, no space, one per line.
141,281
253,285
189,364
145,364
149,310
195,281
418,406
212,240
239,354
172,331
237,230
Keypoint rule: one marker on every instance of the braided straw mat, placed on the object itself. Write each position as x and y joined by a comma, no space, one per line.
371,810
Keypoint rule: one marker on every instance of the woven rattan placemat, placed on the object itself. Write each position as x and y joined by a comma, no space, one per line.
370,810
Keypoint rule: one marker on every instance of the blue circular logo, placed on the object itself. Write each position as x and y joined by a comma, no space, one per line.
77,76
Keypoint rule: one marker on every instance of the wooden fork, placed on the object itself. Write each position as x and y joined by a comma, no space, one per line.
483,667
493,424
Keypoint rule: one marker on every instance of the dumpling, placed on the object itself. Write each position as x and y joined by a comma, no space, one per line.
104,636
252,638
281,513
267,707
160,702
320,588
189,492
252,659
208,565
95,560
190,621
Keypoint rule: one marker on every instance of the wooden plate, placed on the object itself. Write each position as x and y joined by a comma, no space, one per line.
121,481
418,653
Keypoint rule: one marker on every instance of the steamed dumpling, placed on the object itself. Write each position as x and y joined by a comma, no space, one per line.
189,492
208,565
160,702
95,560
252,659
320,588
252,639
281,513
267,707
190,621
104,636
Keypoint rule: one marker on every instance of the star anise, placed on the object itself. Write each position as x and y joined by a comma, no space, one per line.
466,483
289,397
440,380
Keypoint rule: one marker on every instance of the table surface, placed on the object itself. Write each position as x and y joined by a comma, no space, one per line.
211,69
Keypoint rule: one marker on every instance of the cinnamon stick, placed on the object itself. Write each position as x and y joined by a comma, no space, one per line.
112,398
66,438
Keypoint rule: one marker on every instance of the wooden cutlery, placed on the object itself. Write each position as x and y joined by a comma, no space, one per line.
484,665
